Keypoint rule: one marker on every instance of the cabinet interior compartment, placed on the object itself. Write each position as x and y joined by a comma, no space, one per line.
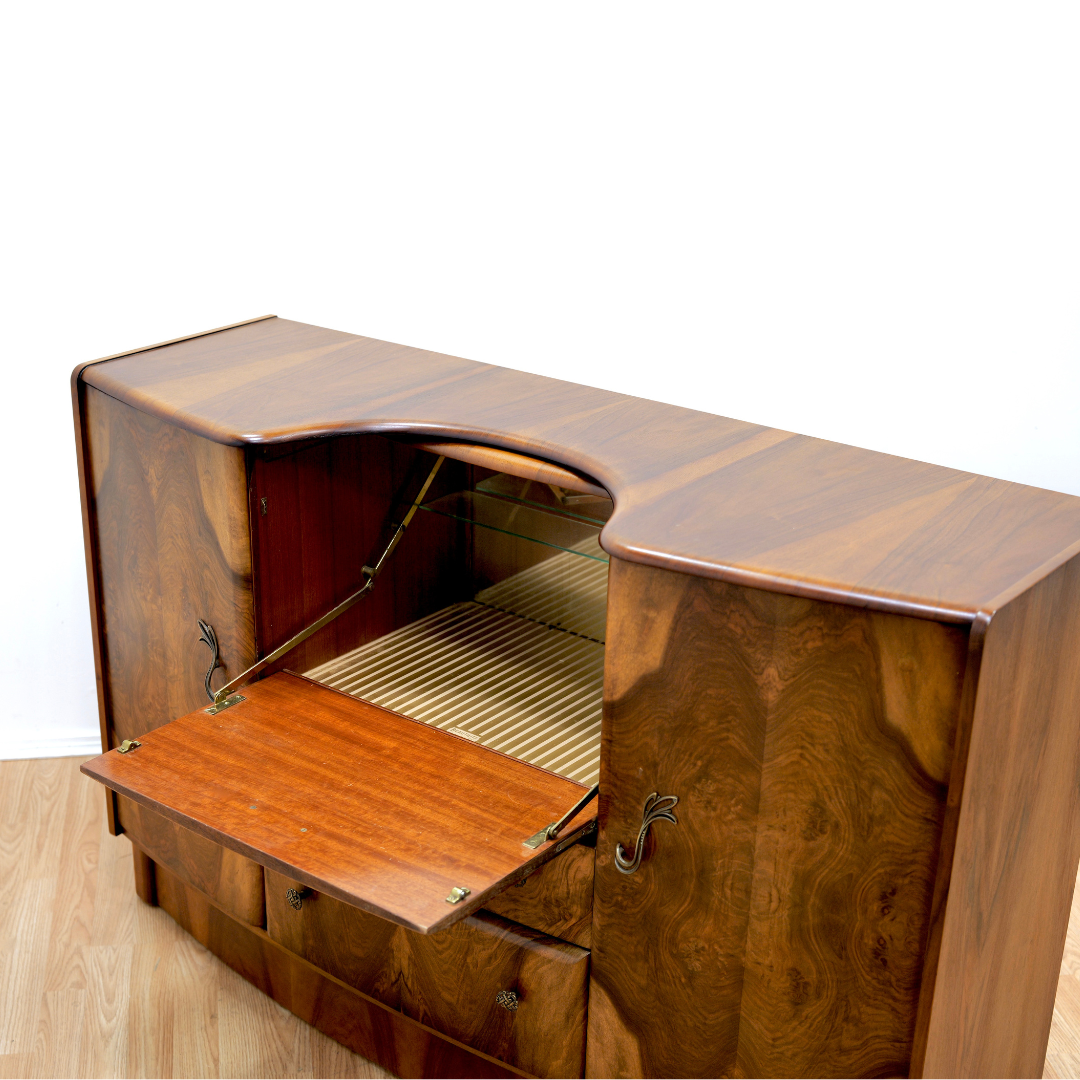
516,664
381,806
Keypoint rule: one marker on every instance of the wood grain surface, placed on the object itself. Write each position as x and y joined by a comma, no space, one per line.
355,801
450,980
1017,844
361,949
873,857
319,513
799,515
779,929
396,1042
79,393
170,512
233,882
556,898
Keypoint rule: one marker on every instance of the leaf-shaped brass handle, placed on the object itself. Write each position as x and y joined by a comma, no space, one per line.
657,808
209,639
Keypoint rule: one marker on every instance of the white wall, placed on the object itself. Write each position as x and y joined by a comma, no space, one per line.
860,222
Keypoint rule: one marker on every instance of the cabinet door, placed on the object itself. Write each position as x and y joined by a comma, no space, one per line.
778,929
170,527
362,804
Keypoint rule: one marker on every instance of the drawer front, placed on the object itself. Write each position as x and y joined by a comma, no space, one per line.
355,946
556,899
232,881
451,980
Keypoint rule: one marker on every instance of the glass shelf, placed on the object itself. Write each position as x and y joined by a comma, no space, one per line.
575,504
540,563
564,531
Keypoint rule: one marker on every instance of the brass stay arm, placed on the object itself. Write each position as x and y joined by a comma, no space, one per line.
225,698
552,831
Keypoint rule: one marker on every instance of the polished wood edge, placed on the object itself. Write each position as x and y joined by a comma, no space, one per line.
93,588
610,541
918,607
509,461
914,608
255,549
1036,575
949,832
161,344
296,958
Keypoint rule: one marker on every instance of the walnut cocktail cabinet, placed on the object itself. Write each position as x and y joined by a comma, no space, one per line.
373,625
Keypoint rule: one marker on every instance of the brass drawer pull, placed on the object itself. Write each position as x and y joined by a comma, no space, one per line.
507,999
657,808
296,896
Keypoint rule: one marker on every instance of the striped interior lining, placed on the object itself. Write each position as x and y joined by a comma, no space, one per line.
519,669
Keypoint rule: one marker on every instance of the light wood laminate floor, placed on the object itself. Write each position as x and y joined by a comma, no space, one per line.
93,983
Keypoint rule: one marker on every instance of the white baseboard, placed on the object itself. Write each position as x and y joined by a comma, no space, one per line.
79,746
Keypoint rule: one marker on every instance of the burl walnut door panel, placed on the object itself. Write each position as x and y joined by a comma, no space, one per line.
171,529
779,928
454,980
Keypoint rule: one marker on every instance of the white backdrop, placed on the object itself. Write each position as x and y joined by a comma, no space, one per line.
860,222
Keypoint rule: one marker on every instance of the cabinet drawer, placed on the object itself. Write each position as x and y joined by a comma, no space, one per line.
233,882
450,980
556,898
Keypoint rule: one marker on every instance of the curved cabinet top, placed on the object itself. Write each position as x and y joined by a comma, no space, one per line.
693,492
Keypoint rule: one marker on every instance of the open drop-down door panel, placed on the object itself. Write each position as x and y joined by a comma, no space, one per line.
363,804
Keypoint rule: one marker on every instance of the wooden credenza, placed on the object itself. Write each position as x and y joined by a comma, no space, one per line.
841,688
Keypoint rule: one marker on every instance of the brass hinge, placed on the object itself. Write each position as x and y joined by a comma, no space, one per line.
128,745
228,703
